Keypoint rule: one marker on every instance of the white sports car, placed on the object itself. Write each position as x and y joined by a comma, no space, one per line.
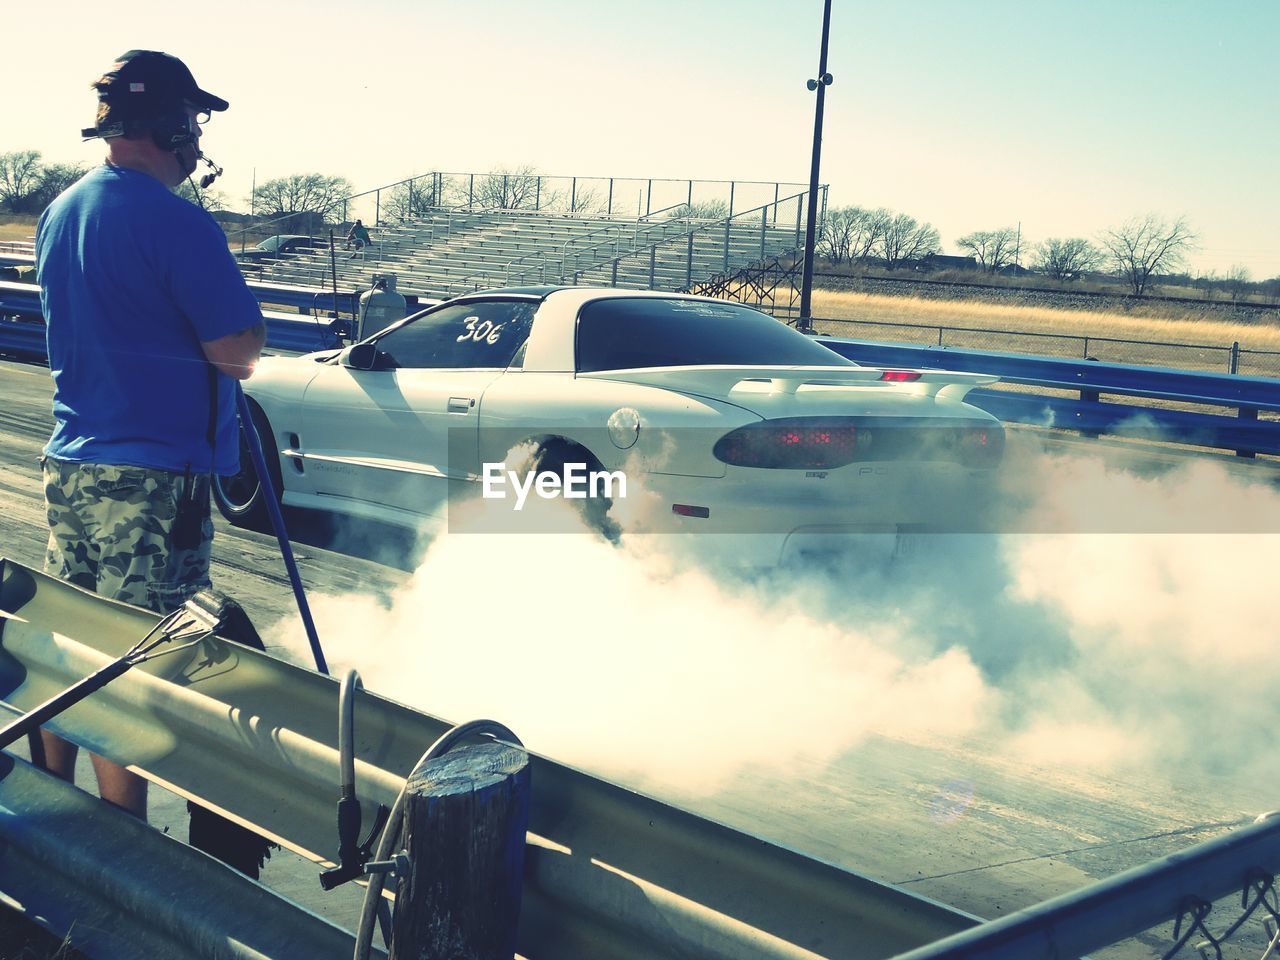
661,411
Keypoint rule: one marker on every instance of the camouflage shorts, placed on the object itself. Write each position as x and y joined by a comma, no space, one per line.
111,530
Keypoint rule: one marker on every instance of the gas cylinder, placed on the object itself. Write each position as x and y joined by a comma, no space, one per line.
380,305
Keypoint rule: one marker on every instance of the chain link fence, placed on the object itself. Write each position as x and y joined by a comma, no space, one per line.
1217,358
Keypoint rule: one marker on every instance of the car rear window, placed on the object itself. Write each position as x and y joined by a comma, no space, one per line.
621,333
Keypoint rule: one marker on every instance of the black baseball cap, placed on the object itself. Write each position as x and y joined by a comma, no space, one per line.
146,78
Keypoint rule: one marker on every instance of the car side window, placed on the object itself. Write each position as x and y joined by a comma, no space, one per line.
483,334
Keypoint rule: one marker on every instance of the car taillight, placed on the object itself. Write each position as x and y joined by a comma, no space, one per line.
795,445
827,443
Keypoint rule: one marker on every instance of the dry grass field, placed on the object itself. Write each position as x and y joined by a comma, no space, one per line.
1156,321
17,227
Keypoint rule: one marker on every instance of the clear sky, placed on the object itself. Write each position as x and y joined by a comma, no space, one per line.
1066,118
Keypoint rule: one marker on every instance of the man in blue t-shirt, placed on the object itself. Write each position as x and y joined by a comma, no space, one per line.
149,324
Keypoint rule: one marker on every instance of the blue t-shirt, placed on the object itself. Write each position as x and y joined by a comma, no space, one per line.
132,279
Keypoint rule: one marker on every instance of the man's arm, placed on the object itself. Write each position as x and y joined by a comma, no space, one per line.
236,353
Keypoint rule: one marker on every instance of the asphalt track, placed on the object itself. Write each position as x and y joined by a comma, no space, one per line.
889,809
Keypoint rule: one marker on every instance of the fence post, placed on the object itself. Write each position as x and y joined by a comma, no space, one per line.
764,226
465,818
1085,355
412,212
377,206
732,184
471,192
1234,366
689,201
653,263
609,211
688,270
726,245
573,195
939,336
614,281
648,197
775,204
799,210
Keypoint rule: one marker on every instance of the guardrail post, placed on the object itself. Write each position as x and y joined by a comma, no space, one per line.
465,818
1234,365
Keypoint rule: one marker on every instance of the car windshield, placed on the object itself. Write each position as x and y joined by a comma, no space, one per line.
621,333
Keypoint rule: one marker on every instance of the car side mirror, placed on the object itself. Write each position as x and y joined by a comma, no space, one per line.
360,356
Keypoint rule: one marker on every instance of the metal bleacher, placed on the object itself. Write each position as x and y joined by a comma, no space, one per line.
446,251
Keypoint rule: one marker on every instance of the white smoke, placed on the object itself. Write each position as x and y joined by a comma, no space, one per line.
1107,650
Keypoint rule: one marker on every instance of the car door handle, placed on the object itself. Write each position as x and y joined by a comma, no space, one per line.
461,404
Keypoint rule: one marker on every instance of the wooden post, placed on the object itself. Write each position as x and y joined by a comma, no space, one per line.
465,818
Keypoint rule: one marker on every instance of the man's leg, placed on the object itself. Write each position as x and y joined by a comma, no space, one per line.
130,511
73,556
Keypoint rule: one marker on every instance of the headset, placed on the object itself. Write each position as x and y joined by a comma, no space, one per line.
171,128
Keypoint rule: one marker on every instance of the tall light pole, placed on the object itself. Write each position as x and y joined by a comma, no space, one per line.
820,84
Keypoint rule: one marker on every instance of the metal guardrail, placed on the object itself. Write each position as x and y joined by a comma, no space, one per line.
303,334
609,872
163,899
1244,433
1178,888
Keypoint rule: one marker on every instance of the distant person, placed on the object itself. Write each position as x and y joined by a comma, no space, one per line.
149,325
357,239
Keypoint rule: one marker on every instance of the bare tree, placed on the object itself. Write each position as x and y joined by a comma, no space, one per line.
414,198
588,203
1237,281
904,238
702,210
209,199
1144,246
301,193
504,189
1067,259
19,178
993,249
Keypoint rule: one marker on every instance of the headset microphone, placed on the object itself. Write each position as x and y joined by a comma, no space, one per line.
207,180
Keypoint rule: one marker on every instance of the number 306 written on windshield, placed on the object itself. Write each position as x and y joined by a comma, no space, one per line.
481,331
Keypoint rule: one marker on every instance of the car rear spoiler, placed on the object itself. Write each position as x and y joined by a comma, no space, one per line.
724,381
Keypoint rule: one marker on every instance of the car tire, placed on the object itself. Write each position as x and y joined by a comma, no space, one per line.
552,456
240,497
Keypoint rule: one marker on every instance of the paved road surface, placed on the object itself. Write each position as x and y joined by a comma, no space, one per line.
888,809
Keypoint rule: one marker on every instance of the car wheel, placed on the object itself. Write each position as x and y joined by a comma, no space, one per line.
552,457
240,497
